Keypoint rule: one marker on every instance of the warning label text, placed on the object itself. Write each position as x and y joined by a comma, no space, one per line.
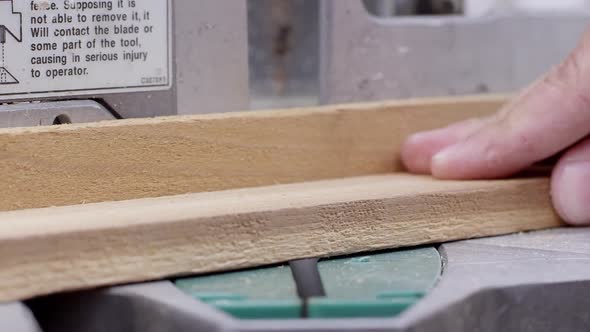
69,47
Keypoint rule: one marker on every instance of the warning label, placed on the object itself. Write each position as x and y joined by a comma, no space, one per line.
73,47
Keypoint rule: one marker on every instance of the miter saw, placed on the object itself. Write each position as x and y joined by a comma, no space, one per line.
196,60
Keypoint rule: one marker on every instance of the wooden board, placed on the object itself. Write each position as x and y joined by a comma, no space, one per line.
76,247
127,159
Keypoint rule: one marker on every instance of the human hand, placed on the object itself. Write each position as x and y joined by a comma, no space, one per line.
551,115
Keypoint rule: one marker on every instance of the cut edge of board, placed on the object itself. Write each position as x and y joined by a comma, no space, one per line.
160,210
79,247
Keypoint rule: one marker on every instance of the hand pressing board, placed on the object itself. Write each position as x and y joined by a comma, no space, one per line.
85,246
129,159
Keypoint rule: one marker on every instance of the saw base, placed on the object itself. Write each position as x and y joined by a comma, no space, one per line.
524,282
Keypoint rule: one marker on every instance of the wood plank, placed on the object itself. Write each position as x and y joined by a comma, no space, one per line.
128,159
76,247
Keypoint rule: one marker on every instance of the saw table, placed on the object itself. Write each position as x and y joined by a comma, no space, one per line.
522,282
172,55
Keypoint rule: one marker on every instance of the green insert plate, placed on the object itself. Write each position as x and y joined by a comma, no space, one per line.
376,285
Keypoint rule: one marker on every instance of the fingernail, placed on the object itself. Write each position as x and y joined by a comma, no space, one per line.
414,156
571,192
442,162
416,138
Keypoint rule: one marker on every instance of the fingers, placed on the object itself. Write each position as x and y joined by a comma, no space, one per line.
570,185
546,118
419,149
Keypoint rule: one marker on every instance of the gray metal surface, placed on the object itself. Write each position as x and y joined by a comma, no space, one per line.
524,282
363,57
537,281
45,113
211,64
152,307
211,56
16,317
283,38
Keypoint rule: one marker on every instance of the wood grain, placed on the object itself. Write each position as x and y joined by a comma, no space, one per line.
128,159
77,247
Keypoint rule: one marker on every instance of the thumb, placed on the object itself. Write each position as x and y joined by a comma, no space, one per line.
570,187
